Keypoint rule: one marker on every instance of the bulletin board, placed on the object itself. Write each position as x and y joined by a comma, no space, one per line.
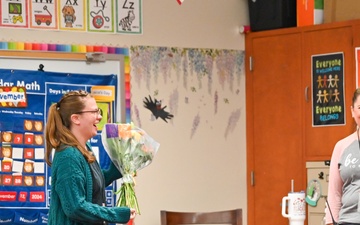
70,63
35,80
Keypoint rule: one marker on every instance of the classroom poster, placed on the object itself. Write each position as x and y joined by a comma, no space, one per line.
25,178
328,89
43,14
72,15
100,16
129,17
106,16
14,13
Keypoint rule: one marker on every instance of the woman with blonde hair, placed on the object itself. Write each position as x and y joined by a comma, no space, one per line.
77,181
344,177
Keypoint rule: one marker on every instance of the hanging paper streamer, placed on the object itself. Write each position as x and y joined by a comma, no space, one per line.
180,1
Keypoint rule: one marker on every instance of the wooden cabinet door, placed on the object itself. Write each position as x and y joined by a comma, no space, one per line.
274,124
320,140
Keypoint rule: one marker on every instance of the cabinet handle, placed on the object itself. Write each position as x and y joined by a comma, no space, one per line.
306,94
251,63
252,178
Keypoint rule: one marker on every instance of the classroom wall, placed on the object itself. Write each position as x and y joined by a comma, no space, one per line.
176,181
195,24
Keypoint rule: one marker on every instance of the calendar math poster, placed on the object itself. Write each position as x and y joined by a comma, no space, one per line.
25,178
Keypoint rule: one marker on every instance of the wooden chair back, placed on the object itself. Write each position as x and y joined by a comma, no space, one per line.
231,217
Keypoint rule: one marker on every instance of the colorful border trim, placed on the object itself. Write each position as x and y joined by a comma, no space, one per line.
26,46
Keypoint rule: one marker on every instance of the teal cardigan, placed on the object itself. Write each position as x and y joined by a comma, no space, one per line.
71,192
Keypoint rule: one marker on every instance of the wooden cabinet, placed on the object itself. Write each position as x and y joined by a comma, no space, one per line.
280,134
319,142
273,97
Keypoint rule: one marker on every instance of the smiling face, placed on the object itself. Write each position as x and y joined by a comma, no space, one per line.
28,167
85,122
6,152
38,139
6,136
355,108
28,125
355,111
39,180
28,180
38,126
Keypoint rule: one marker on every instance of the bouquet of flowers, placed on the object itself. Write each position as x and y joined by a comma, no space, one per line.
130,149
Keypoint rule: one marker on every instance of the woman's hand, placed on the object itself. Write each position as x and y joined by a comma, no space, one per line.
132,214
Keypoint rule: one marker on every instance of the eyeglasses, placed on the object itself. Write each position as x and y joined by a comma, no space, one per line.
96,111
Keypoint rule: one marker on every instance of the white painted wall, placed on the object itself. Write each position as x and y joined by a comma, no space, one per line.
195,24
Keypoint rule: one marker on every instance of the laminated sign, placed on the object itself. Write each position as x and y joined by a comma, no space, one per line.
12,97
328,89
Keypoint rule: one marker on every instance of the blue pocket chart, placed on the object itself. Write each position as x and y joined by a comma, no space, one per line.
25,178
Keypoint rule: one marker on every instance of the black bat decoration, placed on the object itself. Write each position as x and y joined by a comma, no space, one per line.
155,107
